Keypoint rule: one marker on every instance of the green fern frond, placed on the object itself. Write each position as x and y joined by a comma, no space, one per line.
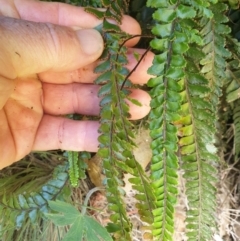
117,138
214,33
113,128
198,156
172,41
77,166
198,125
73,167
21,211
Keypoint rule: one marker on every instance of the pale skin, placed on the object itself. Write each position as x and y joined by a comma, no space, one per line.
47,55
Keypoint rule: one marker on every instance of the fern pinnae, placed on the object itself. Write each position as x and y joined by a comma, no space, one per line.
116,139
73,167
201,94
196,140
21,212
172,41
176,73
214,31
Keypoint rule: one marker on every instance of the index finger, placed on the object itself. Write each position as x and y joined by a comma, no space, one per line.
68,15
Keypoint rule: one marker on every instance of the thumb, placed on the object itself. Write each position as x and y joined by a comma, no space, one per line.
28,47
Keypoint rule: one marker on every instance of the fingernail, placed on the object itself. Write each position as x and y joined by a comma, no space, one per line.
91,41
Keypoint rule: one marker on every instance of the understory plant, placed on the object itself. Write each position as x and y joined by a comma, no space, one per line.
195,92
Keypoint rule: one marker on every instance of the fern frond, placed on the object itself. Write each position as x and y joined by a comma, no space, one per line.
198,124
77,166
198,156
214,33
172,40
73,167
117,138
21,211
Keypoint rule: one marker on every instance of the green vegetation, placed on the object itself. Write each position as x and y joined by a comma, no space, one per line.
195,93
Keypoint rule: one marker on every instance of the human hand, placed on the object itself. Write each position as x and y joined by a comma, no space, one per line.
48,53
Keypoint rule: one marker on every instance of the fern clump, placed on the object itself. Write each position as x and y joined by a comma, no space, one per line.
183,117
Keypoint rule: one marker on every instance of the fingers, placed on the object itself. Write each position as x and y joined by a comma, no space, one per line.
7,147
37,47
6,88
83,99
68,15
19,120
87,75
61,133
